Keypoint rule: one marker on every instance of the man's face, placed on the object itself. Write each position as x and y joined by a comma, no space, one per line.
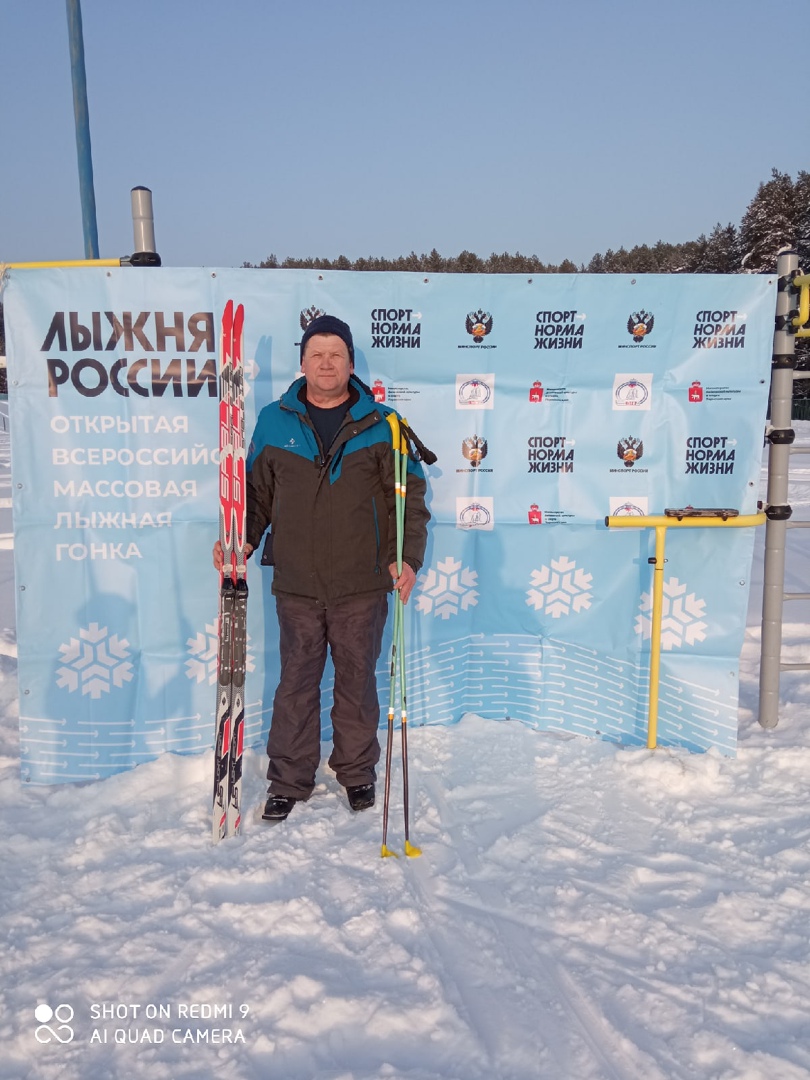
326,365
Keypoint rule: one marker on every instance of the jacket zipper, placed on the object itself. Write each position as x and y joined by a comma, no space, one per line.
377,535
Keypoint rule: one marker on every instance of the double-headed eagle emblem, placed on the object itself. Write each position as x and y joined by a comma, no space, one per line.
630,450
474,450
479,324
640,324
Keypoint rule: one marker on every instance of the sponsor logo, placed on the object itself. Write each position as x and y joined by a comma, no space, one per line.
629,450
699,393
558,330
478,325
640,325
628,507
550,454
632,392
308,314
398,395
479,514
719,329
475,391
474,450
396,328
539,516
538,393
710,455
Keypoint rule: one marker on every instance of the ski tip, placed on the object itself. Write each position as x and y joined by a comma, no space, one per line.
411,851
387,853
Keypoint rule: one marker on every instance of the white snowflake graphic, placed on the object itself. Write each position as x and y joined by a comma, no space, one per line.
681,617
560,588
202,666
94,662
448,589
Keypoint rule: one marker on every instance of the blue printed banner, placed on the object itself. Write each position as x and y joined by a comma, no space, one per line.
551,402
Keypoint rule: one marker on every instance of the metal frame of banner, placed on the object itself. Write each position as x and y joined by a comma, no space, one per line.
673,519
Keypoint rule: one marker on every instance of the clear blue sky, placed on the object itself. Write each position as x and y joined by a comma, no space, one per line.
552,127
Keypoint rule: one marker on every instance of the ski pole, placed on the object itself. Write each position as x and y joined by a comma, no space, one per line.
386,852
410,850
400,451
396,440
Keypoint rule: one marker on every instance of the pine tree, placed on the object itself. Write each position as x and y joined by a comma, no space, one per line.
434,263
768,224
717,254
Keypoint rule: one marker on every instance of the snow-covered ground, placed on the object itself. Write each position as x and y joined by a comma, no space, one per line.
580,911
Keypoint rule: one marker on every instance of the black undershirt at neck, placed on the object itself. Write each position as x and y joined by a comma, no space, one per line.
327,422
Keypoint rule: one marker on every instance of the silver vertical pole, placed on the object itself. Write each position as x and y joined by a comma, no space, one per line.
780,436
143,228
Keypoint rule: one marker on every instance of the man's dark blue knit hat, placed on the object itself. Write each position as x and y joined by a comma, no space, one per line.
329,324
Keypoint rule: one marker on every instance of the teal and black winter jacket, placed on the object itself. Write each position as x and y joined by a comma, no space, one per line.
331,511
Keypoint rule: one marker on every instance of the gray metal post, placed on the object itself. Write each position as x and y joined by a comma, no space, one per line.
777,508
143,228
143,221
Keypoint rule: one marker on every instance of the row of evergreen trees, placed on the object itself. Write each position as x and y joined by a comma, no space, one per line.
778,215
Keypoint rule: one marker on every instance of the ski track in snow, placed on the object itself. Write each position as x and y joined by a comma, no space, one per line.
581,911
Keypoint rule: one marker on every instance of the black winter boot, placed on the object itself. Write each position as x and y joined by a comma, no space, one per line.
278,807
360,796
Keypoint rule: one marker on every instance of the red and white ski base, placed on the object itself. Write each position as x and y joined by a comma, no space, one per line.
233,590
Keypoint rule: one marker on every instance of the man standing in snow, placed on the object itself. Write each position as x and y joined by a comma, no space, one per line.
321,476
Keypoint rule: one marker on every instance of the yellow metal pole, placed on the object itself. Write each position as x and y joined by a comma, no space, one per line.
60,263
804,302
655,635
650,521
662,522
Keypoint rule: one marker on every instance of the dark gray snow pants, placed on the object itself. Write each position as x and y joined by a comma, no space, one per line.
352,629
